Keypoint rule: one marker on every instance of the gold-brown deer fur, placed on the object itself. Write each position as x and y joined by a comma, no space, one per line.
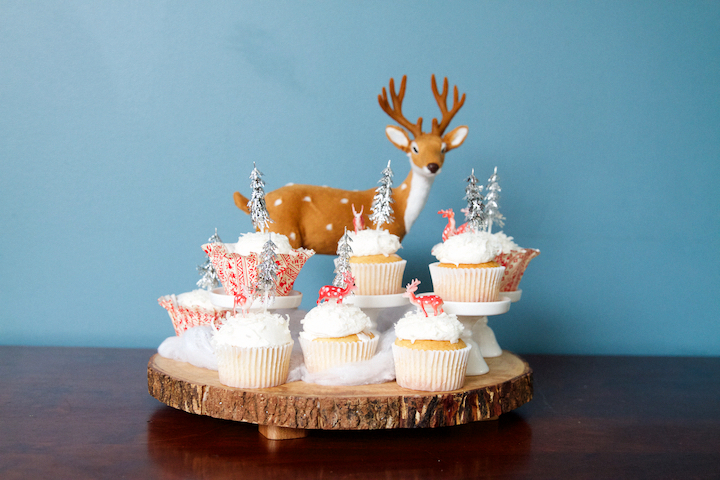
316,217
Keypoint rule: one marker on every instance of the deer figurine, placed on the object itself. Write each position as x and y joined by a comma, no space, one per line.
358,221
330,292
450,229
315,217
423,300
243,299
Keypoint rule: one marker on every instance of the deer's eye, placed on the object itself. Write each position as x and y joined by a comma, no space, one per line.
414,148
443,148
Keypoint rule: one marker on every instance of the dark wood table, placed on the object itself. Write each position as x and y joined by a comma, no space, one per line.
86,413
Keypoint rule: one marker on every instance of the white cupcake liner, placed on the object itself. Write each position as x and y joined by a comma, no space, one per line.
466,284
430,370
253,367
321,356
378,278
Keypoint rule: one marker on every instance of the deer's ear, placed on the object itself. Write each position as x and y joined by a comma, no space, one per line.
456,137
398,137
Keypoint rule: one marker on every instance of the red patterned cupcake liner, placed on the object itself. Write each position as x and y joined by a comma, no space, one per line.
184,317
515,263
236,270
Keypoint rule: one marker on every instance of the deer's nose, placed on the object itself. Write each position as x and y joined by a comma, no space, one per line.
433,167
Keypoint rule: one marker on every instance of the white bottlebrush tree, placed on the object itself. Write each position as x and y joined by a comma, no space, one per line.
492,197
382,211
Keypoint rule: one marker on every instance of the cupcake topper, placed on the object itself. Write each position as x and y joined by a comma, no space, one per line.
381,205
244,299
358,220
209,277
492,210
258,210
330,292
342,265
431,300
475,211
267,271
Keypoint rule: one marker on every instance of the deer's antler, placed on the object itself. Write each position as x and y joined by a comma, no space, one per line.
395,112
441,99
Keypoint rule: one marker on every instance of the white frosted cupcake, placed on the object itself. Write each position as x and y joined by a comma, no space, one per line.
191,309
428,352
514,258
253,351
334,334
466,270
236,263
377,268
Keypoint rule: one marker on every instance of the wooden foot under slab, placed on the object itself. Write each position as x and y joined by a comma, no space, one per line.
281,433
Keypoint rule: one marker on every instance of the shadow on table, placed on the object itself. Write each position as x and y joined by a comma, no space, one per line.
182,444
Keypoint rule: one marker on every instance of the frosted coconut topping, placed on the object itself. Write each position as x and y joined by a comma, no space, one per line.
331,320
253,243
258,329
416,326
470,247
372,241
505,242
196,298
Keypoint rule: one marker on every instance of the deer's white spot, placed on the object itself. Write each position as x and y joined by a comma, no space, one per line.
328,226
289,184
292,236
403,186
278,201
344,200
307,199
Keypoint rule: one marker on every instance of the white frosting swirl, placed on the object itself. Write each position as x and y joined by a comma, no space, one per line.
195,298
372,241
505,242
331,320
469,247
253,243
416,326
258,329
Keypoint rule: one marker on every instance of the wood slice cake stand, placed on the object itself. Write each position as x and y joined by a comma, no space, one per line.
290,410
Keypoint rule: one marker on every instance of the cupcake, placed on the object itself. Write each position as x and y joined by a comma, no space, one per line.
191,309
334,334
428,352
253,351
377,268
514,258
466,270
236,263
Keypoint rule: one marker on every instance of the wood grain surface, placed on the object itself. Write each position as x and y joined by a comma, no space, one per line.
299,405
82,413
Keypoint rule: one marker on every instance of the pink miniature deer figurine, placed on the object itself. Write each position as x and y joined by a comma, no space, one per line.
244,299
330,292
432,300
450,228
358,220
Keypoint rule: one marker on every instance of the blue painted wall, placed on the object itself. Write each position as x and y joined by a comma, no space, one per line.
125,127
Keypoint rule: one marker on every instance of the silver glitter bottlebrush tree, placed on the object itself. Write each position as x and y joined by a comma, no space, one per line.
209,278
475,211
258,210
